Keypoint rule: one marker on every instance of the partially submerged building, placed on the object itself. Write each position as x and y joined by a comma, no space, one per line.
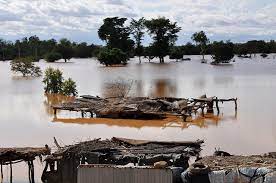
62,166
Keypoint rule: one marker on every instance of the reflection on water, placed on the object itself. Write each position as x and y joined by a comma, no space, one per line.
169,122
224,80
55,99
119,88
122,88
163,88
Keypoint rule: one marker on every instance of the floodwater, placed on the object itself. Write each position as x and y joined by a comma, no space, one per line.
26,118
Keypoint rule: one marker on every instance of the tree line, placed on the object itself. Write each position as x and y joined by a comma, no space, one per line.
125,41
50,50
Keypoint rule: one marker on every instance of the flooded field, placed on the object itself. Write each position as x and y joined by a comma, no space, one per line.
27,119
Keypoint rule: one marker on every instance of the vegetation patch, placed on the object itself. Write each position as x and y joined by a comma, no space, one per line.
25,66
55,83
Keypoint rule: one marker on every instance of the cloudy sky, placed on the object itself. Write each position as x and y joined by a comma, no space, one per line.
78,20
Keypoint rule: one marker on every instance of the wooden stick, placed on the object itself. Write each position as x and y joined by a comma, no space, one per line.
236,105
29,172
10,172
2,172
217,105
32,172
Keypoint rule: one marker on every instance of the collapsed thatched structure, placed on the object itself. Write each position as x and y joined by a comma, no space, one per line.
116,151
141,107
9,156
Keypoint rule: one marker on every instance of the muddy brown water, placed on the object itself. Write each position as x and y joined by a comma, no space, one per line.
26,118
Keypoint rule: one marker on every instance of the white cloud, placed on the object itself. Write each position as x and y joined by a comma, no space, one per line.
219,18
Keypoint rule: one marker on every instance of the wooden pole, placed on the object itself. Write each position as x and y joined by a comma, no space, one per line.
236,105
32,171
29,172
10,172
202,110
217,105
2,172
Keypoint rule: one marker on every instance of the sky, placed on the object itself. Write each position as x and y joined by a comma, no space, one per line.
79,20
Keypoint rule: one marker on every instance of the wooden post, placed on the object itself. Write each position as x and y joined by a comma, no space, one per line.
217,105
2,172
55,111
202,110
32,172
10,172
236,105
210,106
29,172
82,114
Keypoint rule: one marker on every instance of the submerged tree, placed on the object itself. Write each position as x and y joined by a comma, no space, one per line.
55,84
34,44
53,80
222,52
69,88
201,39
112,56
65,48
137,30
164,34
53,56
116,35
25,66
176,53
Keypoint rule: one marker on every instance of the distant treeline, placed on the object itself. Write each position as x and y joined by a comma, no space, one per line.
248,48
38,49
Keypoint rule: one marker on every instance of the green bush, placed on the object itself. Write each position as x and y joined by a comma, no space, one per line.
69,88
176,53
53,56
53,80
222,52
112,56
55,83
25,66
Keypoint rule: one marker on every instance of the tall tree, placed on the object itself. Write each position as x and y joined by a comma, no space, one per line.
201,39
116,34
137,30
18,47
65,49
222,52
164,34
34,44
2,48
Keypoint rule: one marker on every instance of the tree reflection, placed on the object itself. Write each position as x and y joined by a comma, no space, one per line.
163,88
55,99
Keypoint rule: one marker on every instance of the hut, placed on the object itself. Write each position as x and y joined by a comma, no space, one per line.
62,165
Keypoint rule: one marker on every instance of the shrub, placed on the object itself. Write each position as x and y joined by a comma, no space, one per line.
176,53
69,88
222,52
54,83
53,80
112,56
25,66
53,56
